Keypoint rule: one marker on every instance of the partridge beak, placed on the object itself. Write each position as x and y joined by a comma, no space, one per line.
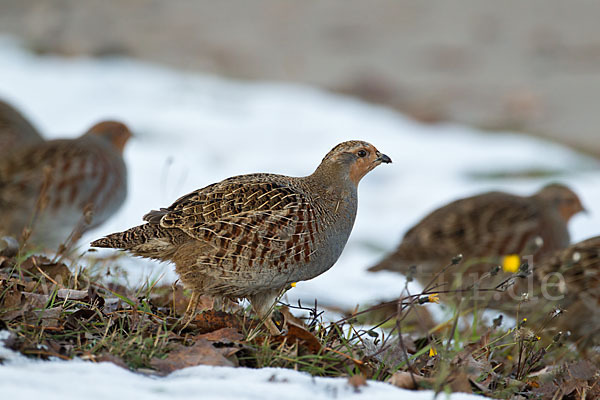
585,211
383,158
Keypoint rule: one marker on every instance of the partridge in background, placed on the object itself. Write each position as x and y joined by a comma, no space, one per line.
485,227
49,186
15,130
250,236
570,279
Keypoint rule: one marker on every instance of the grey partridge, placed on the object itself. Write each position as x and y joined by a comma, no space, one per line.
484,228
250,236
570,279
59,187
15,130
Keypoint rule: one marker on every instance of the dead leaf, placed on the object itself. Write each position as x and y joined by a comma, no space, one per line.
47,317
107,357
12,305
201,353
357,381
36,300
44,267
209,321
459,382
224,335
406,380
71,294
299,334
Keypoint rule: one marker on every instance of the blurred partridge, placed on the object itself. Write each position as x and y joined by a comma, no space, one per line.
570,279
483,229
15,130
250,236
65,186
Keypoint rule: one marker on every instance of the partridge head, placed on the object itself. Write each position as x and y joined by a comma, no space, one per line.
562,199
250,236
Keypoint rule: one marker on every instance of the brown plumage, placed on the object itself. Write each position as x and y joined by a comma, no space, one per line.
49,186
485,228
15,131
250,236
570,279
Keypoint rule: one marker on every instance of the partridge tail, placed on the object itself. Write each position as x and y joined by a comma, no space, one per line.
147,240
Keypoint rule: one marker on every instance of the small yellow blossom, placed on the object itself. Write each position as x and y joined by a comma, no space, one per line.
509,357
434,298
432,352
511,263
293,284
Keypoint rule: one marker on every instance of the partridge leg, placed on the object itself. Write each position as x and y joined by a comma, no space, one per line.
190,311
262,303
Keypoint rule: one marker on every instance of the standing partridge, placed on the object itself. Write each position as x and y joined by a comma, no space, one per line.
483,229
49,186
250,236
570,278
15,130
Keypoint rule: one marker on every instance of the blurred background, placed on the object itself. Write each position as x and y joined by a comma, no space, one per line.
530,66
465,96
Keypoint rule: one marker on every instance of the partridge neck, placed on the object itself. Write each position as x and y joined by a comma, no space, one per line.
331,182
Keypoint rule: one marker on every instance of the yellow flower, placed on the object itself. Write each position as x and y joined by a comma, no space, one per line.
432,352
511,263
434,298
509,357
293,284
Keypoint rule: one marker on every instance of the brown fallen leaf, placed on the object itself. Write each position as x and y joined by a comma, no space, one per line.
107,357
406,380
223,335
459,382
209,321
201,353
36,300
44,267
13,304
297,333
71,294
356,381
47,317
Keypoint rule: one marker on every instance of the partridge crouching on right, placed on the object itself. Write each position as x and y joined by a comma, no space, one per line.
251,236
484,229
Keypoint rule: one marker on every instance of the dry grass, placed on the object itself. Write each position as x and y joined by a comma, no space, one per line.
55,310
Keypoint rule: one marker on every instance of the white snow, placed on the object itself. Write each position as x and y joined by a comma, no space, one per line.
78,379
192,130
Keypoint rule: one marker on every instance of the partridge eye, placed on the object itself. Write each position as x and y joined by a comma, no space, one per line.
362,153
